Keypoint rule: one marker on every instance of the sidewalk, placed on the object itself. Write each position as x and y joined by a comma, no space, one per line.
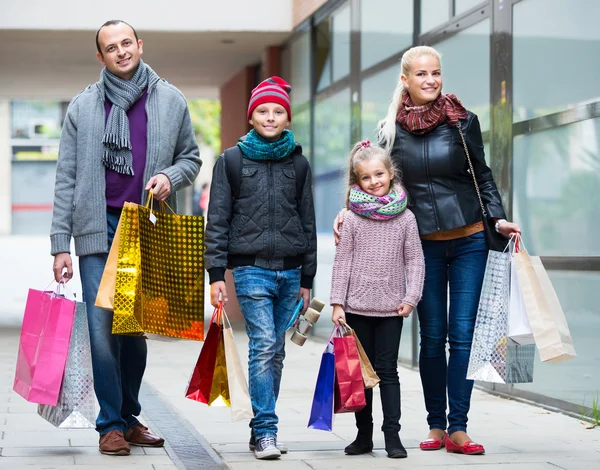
517,436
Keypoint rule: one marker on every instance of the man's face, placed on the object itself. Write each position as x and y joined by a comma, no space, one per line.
121,53
269,120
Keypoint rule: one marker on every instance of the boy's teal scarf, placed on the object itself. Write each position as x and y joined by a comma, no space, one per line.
256,147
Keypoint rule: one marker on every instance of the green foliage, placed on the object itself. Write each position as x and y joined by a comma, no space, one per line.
206,119
593,415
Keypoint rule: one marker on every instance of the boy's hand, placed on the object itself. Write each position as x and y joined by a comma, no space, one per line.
305,294
337,223
338,314
404,310
217,288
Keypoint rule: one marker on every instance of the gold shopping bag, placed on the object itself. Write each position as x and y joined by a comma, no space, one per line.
219,390
172,272
106,291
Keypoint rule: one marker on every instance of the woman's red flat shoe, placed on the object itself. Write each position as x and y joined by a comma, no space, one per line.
468,448
433,443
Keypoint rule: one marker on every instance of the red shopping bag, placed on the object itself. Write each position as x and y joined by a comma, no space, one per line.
349,385
201,381
43,346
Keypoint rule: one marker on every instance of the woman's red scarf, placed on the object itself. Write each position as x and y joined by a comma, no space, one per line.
423,119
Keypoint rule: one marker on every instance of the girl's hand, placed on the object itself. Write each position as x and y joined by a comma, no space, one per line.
404,310
338,314
337,223
508,229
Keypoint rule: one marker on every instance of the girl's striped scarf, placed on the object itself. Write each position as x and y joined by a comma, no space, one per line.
378,208
423,119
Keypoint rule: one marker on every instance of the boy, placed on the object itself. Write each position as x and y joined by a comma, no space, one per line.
261,224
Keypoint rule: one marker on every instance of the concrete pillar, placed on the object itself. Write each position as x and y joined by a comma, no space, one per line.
271,62
5,168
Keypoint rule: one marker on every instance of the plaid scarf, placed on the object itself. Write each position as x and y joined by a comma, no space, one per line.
423,119
379,208
256,147
122,94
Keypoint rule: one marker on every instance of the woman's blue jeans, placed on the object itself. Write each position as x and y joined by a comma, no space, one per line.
118,362
267,300
454,266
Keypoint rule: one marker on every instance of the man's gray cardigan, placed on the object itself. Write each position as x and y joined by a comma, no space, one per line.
80,188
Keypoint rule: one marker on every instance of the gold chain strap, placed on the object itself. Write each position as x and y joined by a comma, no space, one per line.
472,170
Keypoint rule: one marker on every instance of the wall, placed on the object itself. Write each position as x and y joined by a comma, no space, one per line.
304,8
235,94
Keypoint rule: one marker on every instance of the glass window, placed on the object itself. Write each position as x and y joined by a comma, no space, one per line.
556,176
573,381
301,129
333,47
460,6
555,50
331,147
466,69
386,27
376,94
300,69
433,14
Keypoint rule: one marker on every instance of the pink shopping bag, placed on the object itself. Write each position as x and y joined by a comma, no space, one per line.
44,346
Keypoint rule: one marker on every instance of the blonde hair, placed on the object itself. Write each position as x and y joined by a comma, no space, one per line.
387,127
365,151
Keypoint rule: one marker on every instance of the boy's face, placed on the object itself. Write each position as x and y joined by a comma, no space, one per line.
269,120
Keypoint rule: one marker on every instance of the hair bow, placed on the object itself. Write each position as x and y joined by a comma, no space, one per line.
365,143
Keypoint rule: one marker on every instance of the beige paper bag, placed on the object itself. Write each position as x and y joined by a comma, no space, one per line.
370,378
546,317
239,398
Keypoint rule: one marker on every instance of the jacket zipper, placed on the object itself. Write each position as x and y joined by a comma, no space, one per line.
271,211
429,185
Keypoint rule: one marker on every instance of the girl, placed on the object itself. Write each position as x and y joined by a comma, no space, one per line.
377,281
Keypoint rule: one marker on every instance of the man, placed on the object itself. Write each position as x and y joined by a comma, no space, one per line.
125,135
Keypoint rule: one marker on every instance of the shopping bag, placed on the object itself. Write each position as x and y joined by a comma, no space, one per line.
546,317
519,329
370,377
321,413
106,291
494,357
239,398
43,346
349,386
200,384
219,390
127,302
76,406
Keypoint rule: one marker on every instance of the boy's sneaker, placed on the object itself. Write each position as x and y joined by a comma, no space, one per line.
265,449
280,445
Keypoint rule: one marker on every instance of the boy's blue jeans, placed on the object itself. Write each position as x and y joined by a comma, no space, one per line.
267,300
460,265
118,362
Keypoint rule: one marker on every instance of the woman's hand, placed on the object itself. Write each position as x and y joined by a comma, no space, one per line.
404,310
338,314
337,223
508,229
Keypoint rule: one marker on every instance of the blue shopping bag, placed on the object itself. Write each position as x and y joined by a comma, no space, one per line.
321,414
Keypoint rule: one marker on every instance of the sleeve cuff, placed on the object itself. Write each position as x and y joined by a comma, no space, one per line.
306,282
60,243
216,274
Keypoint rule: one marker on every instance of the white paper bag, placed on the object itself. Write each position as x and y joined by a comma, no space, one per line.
519,329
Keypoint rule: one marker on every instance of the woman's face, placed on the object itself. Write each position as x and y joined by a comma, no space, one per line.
424,81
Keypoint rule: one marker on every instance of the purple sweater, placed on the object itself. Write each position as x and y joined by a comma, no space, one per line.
378,265
119,187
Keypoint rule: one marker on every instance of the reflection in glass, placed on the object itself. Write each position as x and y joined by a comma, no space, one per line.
466,69
556,176
300,70
433,14
376,95
551,37
386,27
301,129
332,60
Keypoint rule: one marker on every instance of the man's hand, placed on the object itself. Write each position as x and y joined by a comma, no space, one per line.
305,295
337,223
160,186
62,261
217,288
338,314
404,310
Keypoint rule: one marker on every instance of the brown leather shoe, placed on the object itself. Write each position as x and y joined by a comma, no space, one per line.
139,435
113,443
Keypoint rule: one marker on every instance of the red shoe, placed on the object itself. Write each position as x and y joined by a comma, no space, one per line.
433,443
468,448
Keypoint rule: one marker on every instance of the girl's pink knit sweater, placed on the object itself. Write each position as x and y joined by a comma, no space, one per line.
378,265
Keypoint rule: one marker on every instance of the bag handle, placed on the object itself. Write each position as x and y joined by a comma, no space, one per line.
462,136
150,203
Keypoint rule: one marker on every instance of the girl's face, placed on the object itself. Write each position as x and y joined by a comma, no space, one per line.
424,81
373,177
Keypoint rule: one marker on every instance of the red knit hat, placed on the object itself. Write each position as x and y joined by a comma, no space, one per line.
272,90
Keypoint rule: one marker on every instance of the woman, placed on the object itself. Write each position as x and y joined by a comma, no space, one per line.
421,132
